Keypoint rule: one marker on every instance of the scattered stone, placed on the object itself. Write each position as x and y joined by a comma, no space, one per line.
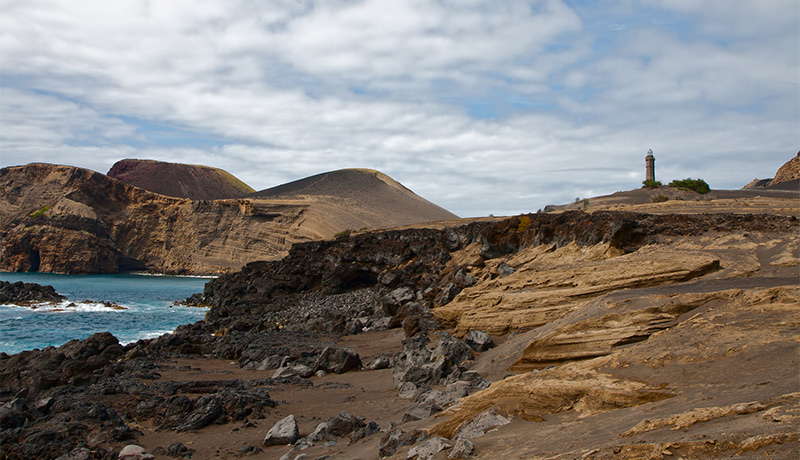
270,362
447,294
428,449
337,360
344,424
381,362
299,370
464,448
80,453
134,452
479,341
457,390
452,348
420,411
361,433
207,410
408,390
179,450
250,450
283,432
396,439
319,432
503,269
303,443
397,297
96,439
484,422
408,362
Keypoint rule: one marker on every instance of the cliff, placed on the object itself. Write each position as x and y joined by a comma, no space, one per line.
71,220
786,178
179,180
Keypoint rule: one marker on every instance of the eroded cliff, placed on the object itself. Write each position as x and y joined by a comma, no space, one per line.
70,220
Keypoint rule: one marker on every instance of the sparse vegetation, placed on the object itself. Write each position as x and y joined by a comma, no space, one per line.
695,185
651,184
41,211
660,198
524,223
582,202
343,233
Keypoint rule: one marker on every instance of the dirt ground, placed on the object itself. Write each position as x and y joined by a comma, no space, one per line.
727,375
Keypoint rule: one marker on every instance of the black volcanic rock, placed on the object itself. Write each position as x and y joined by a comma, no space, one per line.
320,285
74,363
20,293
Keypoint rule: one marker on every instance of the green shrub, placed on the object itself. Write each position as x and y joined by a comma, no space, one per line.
660,198
695,185
651,184
343,233
41,211
524,222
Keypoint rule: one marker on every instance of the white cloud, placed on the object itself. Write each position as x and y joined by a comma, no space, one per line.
280,90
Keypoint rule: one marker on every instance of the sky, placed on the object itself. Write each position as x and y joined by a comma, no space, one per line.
482,107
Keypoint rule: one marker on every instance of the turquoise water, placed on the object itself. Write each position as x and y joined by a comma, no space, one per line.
148,301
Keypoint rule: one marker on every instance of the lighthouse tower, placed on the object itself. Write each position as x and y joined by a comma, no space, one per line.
650,166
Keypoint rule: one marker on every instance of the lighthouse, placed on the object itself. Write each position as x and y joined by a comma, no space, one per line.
650,166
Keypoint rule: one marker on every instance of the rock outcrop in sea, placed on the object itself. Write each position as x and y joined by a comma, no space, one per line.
20,293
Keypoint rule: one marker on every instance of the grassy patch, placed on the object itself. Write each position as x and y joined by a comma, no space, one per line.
343,233
651,184
41,211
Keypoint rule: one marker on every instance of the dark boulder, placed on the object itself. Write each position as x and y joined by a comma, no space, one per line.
413,354
283,432
344,424
206,410
479,341
453,349
396,439
337,360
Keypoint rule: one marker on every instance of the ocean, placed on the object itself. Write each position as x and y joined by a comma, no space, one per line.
148,301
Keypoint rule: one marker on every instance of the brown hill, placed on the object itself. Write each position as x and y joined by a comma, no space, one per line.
789,172
787,177
64,219
356,198
179,180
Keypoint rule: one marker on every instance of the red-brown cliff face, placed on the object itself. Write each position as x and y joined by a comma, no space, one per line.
70,220
180,180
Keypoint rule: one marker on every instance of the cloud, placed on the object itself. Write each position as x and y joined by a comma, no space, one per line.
482,107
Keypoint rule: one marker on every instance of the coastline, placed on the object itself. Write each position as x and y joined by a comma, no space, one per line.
603,319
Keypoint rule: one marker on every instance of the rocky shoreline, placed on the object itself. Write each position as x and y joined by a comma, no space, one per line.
90,398
27,294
